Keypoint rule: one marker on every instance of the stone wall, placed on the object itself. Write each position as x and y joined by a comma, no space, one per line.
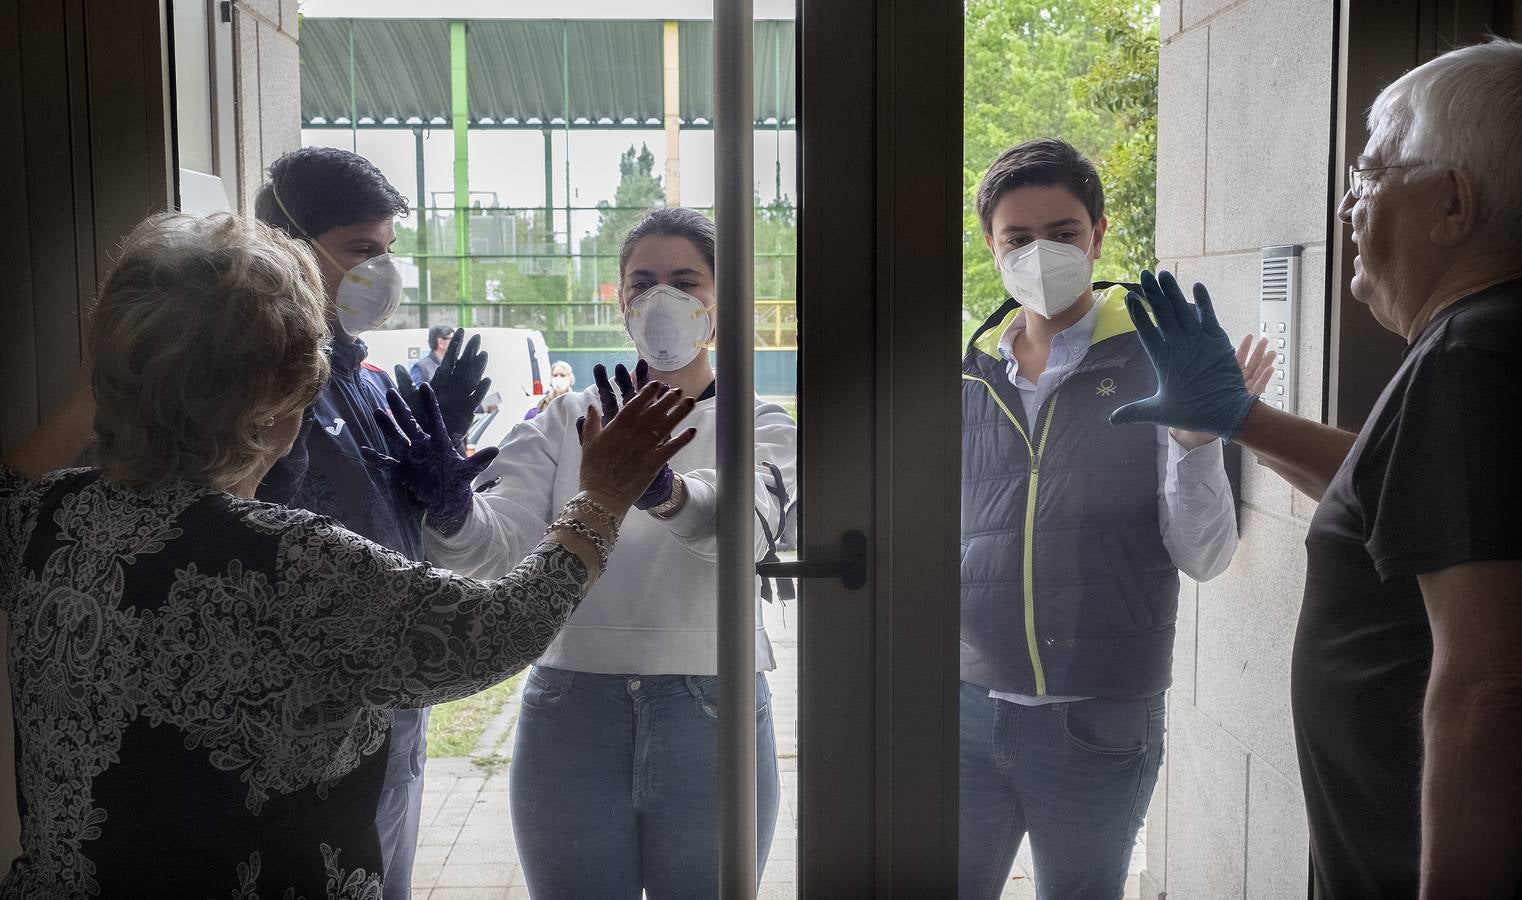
1244,131
268,89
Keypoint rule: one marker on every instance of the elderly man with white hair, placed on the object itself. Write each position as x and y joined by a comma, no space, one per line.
1407,670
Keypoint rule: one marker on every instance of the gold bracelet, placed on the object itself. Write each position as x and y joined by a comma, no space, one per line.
586,533
673,503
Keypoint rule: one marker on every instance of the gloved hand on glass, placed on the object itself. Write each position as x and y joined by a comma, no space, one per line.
1200,386
457,383
660,490
425,460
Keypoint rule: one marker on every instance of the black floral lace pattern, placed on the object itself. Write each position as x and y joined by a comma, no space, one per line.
241,660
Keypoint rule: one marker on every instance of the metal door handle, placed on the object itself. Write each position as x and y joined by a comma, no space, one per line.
850,567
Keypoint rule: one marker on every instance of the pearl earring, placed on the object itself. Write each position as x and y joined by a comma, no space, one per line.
269,422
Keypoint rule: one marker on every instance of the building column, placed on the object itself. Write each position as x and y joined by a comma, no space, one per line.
672,69
460,123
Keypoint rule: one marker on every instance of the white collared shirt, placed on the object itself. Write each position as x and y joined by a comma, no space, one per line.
1194,503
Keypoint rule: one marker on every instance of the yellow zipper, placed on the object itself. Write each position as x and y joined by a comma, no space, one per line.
1028,551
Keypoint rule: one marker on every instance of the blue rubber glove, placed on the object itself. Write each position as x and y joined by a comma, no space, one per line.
660,489
1199,383
457,383
426,462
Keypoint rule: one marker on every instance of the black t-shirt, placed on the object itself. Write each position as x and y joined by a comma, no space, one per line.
1432,481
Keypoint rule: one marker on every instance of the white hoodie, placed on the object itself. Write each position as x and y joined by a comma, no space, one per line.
653,612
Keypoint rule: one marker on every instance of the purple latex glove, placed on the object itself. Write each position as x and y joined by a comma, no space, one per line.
426,462
660,489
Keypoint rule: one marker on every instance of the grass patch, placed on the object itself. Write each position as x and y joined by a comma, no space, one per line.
492,764
454,727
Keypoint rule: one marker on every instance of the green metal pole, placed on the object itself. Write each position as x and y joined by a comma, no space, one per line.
549,188
353,97
460,121
423,245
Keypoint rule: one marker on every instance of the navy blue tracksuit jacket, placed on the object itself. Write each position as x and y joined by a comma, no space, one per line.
325,473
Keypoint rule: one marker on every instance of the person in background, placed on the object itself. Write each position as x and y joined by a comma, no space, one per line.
438,341
1070,579
562,379
614,782
203,683
343,207
1406,677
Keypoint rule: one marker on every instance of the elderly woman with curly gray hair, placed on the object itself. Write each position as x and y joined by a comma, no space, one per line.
202,682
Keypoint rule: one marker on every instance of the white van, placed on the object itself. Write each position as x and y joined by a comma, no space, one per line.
517,362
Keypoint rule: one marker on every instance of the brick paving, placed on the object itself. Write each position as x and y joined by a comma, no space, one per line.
465,846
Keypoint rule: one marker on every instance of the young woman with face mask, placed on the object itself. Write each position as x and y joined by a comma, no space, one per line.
615,772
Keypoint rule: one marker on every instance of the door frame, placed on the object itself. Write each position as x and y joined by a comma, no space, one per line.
1377,42
88,156
880,231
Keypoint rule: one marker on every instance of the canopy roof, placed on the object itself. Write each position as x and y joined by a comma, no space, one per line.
526,73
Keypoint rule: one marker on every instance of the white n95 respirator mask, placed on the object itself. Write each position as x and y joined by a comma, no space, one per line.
669,327
1047,277
369,294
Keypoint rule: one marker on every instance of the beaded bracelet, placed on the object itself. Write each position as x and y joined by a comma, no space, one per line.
673,503
586,533
591,509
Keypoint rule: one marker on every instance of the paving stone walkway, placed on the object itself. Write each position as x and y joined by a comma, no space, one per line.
466,850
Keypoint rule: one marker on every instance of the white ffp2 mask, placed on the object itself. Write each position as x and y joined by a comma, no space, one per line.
369,294
669,327
1047,277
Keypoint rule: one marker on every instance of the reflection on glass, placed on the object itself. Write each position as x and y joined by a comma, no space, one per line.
192,86
524,225
1073,531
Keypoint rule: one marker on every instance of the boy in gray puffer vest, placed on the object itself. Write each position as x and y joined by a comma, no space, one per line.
1073,534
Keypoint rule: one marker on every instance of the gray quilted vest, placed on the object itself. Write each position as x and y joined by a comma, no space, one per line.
1067,588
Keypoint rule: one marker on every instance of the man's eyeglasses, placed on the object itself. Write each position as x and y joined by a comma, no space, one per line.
1358,179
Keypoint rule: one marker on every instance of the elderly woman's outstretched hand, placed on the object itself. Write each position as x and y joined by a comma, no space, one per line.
621,457
660,488
426,461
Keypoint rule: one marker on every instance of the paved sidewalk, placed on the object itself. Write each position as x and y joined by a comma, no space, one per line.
466,849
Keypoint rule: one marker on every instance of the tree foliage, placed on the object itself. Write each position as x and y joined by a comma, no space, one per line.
776,227
639,190
1084,71
497,271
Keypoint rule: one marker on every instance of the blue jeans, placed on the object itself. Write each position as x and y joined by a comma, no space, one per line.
401,802
614,784
1076,776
